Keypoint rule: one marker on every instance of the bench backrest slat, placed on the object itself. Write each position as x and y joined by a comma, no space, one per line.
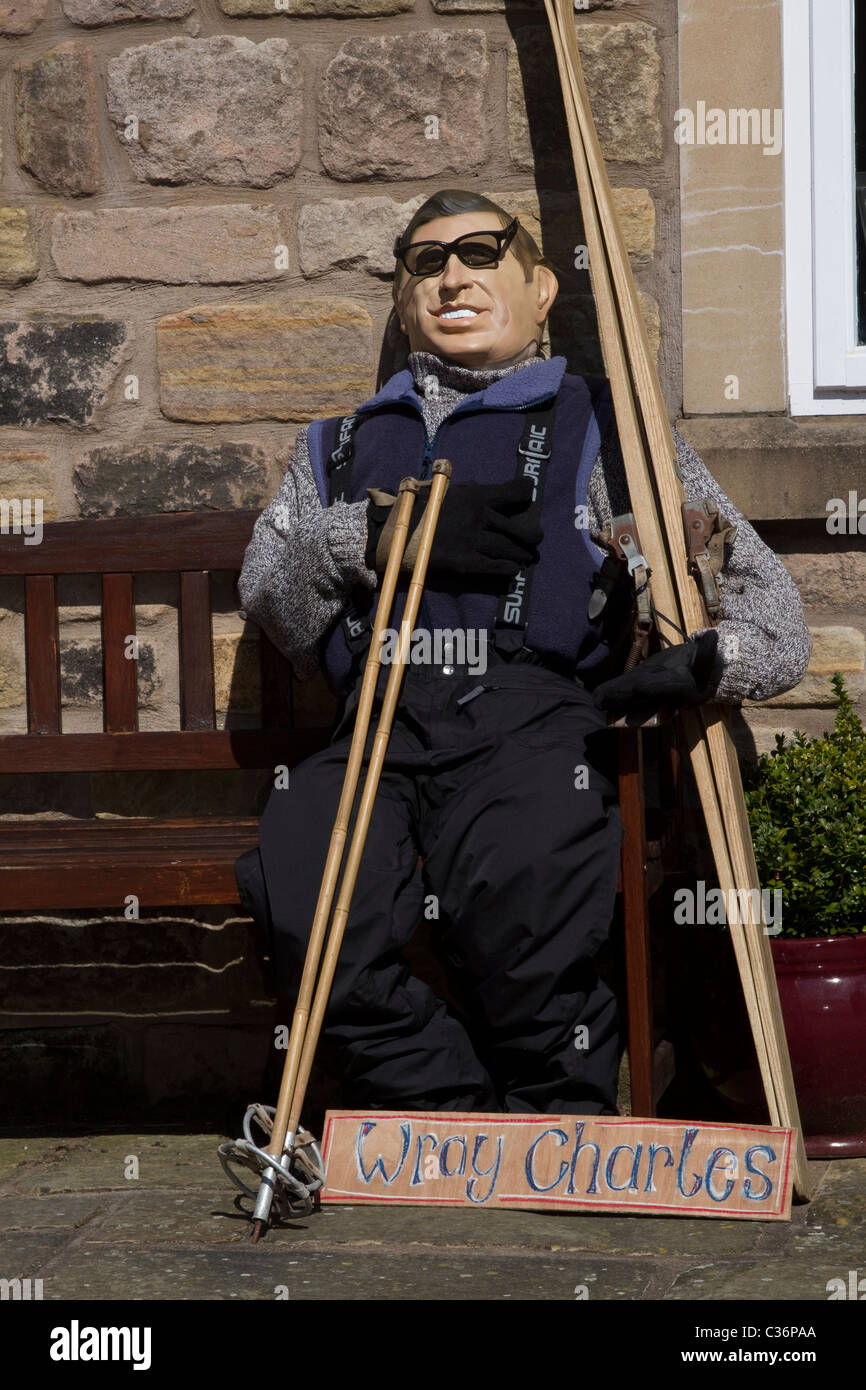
137,544
197,707
120,710
42,654
172,750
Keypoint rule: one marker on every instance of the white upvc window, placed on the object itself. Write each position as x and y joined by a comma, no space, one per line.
823,261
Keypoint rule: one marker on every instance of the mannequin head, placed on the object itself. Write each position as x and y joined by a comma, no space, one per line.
512,298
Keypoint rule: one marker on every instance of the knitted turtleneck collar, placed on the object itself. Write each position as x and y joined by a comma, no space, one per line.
466,380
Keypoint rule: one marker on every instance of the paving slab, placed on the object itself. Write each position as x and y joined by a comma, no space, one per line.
23,1254
834,1223
18,1155
67,1211
169,1218
96,1271
770,1280
100,1163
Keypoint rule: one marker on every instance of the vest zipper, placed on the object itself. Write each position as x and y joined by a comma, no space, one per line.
427,472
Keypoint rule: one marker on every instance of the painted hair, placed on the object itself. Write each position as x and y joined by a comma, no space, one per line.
451,202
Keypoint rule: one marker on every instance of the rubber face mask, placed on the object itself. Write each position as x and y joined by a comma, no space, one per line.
476,316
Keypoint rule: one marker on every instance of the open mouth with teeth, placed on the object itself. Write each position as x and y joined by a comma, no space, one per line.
461,312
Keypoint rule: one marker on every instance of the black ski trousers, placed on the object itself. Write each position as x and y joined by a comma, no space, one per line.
504,783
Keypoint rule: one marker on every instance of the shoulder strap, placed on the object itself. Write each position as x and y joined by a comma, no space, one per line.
533,456
342,459
356,626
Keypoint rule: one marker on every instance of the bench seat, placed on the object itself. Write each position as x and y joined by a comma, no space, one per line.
97,863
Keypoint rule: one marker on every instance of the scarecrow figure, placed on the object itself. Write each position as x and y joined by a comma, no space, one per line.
496,815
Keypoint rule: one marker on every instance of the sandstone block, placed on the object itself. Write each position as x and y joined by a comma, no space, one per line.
419,98
81,672
187,476
237,677
325,9
826,581
28,473
834,648
13,690
220,110
554,221
91,13
206,245
576,331
19,261
622,67
352,234
57,369
56,120
837,649
291,361
21,16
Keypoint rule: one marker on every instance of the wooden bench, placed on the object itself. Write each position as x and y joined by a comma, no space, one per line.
98,863
72,864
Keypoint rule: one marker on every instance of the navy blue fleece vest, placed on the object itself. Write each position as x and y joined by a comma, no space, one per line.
480,438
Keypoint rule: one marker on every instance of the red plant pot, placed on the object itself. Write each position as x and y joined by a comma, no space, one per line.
822,989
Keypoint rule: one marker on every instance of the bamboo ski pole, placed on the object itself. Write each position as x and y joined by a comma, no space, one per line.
281,1138
441,477
317,976
710,745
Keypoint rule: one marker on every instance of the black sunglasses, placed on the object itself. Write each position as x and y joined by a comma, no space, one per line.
473,249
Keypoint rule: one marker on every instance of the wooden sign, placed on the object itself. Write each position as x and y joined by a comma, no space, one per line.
568,1162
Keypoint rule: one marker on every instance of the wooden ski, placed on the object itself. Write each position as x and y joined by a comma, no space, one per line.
656,492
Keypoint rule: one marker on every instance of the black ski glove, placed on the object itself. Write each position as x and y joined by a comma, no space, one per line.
483,529
676,676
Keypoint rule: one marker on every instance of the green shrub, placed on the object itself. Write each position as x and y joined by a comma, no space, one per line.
807,810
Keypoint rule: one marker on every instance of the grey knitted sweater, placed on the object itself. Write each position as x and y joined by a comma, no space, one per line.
304,559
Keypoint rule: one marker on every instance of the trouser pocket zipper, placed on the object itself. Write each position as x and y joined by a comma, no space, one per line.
476,690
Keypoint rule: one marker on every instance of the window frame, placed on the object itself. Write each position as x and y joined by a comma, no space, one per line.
826,365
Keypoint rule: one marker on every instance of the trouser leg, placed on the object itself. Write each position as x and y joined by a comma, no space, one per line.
391,1041
523,855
